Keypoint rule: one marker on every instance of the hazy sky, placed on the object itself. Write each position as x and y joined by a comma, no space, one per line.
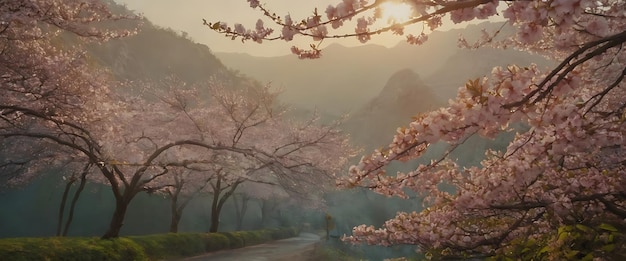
187,15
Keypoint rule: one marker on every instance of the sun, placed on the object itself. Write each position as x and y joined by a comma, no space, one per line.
394,12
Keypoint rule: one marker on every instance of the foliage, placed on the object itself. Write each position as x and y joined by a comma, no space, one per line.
254,237
235,240
174,245
58,248
561,175
571,242
280,233
148,247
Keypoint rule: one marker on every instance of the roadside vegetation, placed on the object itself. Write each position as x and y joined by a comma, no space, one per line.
136,248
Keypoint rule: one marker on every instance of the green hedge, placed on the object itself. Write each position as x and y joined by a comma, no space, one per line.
148,247
70,248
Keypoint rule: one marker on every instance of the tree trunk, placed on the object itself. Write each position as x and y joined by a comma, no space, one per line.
117,221
218,201
264,207
174,222
267,207
62,206
215,213
240,211
70,216
177,212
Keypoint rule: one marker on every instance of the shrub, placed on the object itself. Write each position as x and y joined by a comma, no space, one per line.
79,248
235,240
281,233
215,241
148,247
171,244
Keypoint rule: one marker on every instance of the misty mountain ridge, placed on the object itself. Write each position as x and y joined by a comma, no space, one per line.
155,53
466,64
346,78
403,96
379,96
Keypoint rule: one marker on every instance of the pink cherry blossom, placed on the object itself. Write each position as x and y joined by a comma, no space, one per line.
563,165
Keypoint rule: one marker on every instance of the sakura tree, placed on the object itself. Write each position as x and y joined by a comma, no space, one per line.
44,72
141,143
187,183
309,154
55,98
261,144
263,193
558,190
49,90
38,74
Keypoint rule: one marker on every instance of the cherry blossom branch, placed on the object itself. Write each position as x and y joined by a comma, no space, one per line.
572,61
600,96
315,22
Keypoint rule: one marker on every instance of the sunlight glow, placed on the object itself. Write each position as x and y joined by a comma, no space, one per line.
394,12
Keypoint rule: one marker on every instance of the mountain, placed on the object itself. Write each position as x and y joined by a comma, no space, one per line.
467,64
346,78
342,78
403,96
155,53
406,94
380,88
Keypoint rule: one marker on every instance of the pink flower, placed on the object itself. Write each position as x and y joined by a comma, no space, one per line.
462,15
598,26
530,33
288,33
487,10
253,3
420,39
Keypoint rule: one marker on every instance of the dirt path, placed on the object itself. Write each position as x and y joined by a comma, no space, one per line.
296,248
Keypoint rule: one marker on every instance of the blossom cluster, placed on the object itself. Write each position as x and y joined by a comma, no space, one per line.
565,163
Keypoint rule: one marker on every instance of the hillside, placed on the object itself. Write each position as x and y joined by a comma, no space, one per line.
155,53
346,78
467,64
404,95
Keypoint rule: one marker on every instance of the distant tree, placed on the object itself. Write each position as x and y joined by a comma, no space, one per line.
136,146
299,157
226,182
240,200
81,176
267,195
23,158
557,191
183,185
